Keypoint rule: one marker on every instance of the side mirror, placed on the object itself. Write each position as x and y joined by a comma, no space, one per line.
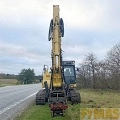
77,69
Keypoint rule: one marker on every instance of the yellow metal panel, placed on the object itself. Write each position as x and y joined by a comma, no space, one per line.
56,29
57,81
72,85
46,77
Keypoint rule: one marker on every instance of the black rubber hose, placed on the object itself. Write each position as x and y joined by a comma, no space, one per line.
50,29
62,27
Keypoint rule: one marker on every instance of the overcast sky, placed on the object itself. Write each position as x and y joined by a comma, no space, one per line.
90,26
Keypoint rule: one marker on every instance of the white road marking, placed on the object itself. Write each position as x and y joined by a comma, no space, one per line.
16,103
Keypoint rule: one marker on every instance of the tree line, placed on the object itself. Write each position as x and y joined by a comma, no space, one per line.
7,76
26,76
104,74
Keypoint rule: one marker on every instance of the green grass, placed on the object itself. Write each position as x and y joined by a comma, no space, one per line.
90,99
42,112
6,82
73,112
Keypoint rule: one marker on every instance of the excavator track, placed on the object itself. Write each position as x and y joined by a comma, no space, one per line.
75,96
40,97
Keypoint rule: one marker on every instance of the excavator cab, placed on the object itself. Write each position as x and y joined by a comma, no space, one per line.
69,73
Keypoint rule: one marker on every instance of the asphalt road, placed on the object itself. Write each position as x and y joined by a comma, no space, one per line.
13,99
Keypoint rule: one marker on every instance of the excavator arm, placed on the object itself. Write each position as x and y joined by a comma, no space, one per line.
56,31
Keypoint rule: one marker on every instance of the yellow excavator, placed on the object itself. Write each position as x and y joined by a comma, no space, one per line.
63,75
46,76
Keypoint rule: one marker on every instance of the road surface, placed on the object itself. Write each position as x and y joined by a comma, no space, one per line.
13,99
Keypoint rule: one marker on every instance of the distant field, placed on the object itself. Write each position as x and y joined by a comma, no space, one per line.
6,82
90,99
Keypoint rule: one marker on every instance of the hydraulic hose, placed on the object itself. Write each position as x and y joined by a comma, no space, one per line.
61,23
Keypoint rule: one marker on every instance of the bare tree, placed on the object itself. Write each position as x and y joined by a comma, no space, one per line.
91,62
113,61
84,76
101,74
88,71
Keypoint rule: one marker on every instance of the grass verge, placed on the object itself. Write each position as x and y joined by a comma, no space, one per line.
42,112
90,99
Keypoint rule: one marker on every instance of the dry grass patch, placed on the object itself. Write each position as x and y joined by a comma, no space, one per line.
6,82
100,98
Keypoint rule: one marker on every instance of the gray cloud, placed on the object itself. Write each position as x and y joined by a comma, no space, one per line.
90,26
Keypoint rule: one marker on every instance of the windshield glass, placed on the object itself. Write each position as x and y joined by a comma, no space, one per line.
68,71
